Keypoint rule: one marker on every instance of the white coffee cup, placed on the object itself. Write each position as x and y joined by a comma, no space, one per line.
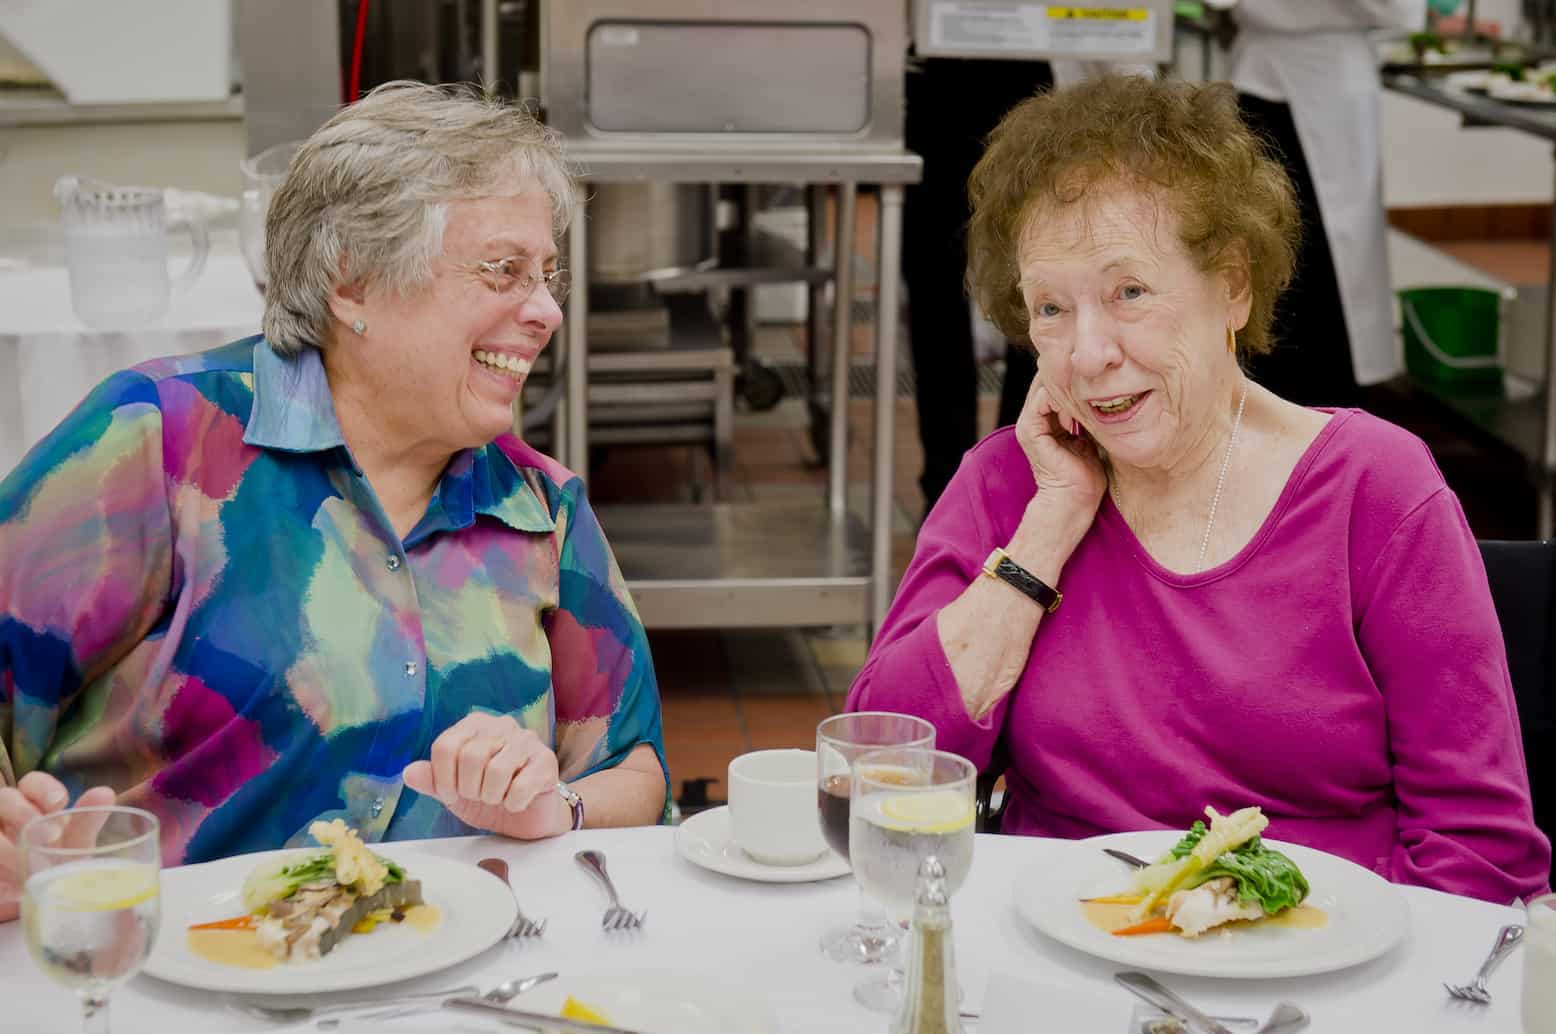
772,806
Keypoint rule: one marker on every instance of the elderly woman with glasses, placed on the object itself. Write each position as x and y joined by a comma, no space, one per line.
1263,604
314,574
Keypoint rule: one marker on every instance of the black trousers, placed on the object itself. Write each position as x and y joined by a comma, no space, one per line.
1311,361
952,105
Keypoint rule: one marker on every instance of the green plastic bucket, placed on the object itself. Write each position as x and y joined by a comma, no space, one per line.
1451,335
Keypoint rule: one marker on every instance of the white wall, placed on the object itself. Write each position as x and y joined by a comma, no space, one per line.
1428,160
192,155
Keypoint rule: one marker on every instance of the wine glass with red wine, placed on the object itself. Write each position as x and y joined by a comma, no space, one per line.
839,741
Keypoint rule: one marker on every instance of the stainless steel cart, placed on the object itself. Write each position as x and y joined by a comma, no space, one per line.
760,564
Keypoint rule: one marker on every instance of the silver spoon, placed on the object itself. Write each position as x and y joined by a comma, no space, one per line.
1284,1020
303,1013
510,989
384,1008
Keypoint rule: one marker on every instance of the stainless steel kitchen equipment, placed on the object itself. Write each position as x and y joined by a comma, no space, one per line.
742,92
650,231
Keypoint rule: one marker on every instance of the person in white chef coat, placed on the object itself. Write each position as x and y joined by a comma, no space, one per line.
1306,73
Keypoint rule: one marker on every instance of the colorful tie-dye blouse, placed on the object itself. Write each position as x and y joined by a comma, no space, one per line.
204,606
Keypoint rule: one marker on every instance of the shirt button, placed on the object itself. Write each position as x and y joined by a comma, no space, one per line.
378,807
393,563
411,669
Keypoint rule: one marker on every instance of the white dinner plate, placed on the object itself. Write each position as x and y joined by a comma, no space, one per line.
1367,914
704,840
477,911
658,1002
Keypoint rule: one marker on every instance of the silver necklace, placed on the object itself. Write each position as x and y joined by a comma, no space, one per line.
1215,500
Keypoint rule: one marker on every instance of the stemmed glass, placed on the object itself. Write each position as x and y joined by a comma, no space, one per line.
839,740
908,803
91,899
263,174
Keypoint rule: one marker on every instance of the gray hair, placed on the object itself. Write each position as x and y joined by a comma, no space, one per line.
366,197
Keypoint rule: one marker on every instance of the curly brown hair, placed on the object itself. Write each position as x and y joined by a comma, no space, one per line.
1183,142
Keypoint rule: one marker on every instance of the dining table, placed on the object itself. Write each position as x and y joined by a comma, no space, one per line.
726,931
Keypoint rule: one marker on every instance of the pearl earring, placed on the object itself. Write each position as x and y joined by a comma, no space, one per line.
359,326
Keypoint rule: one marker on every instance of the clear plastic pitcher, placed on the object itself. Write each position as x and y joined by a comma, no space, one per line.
116,249
263,174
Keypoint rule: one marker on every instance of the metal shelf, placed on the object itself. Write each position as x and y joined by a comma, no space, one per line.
1517,423
727,565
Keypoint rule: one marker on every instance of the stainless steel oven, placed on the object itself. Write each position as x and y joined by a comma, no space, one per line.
740,74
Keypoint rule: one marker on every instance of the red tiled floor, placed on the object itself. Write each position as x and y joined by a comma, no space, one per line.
783,721
1518,262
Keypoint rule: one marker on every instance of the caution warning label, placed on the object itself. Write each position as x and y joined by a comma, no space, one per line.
998,27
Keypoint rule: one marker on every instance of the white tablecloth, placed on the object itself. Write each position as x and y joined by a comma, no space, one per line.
49,360
764,937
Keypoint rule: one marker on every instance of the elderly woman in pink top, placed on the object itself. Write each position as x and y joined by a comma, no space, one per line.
1262,604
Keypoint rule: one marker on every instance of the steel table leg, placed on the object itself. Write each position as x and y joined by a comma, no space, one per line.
888,278
842,345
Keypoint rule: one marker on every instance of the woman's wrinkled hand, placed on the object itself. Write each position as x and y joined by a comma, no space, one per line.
496,775
1065,463
34,795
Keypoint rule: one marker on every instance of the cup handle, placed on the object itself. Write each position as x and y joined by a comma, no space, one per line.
201,239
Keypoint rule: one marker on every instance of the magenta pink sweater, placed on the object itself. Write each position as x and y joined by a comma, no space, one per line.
1344,671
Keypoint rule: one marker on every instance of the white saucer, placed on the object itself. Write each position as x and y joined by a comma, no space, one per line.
704,840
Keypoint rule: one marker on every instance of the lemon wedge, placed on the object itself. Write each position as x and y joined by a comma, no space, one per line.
573,1009
105,889
935,812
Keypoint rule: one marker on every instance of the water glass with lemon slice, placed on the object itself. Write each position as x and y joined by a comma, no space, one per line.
908,803
91,899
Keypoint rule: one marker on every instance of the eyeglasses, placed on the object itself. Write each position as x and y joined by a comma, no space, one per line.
513,275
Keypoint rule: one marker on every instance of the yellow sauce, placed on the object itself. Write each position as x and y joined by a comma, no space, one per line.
1108,917
231,948
423,918
1303,917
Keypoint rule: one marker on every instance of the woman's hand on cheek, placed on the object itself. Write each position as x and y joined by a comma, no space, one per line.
1065,462
496,775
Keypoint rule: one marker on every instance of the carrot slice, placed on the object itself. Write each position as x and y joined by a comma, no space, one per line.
1158,924
238,923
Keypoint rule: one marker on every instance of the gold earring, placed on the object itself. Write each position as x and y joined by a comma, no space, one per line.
1231,340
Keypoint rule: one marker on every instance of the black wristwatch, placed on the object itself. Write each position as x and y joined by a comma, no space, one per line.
999,565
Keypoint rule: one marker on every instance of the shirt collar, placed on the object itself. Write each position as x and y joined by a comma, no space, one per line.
292,410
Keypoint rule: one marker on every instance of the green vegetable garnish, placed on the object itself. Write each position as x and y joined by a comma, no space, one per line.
1263,876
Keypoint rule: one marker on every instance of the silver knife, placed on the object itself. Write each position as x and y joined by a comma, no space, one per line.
533,1020
1152,991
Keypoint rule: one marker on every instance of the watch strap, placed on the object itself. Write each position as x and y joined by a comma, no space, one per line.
999,565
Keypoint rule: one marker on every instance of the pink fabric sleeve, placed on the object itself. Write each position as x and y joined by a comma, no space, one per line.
907,670
1429,631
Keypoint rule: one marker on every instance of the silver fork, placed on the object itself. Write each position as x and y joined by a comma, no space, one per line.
616,917
523,926
1508,939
